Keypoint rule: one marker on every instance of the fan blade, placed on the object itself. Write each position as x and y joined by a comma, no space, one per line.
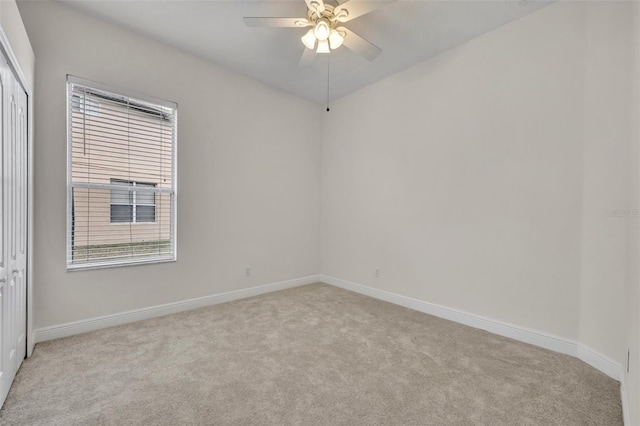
356,8
359,45
315,5
277,22
307,58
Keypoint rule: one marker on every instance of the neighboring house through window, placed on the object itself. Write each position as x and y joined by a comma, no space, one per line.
121,177
134,203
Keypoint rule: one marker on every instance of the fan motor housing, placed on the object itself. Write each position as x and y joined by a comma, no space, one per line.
313,16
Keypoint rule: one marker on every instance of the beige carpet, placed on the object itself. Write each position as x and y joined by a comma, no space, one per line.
309,355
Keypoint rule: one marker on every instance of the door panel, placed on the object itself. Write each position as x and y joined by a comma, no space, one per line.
13,226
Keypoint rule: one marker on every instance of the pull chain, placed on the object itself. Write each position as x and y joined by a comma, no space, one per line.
328,83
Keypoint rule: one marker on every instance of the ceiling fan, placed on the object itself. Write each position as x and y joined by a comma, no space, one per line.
326,33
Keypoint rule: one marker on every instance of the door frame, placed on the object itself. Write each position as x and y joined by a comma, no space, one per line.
12,59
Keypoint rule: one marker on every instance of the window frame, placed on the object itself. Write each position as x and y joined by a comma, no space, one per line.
173,256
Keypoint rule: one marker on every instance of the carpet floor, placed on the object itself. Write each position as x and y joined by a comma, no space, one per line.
312,355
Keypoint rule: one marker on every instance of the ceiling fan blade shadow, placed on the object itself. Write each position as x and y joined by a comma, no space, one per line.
312,6
359,45
356,8
307,58
276,22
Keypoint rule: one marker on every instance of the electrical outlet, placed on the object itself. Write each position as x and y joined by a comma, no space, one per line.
377,273
247,271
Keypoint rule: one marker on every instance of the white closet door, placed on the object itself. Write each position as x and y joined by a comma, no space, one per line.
13,227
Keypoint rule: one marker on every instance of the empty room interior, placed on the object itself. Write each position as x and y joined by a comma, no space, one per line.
320,212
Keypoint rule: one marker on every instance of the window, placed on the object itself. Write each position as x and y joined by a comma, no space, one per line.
121,192
134,203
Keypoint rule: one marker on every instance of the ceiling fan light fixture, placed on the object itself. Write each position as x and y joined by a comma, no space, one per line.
335,39
309,39
326,33
322,29
323,46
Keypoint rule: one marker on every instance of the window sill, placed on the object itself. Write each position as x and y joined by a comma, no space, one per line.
100,265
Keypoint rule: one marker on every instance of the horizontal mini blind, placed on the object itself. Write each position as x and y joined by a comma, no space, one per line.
121,177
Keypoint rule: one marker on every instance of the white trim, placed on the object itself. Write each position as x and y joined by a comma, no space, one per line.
522,334
599,361
625,401
78,267
30,182
92,324
14,63
120,91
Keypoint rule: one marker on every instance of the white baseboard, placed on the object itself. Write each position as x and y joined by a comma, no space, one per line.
599,362
522,334
92,324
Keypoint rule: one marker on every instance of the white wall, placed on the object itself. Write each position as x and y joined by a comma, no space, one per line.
464,184
609,294
248,171
632,290
480,180
607,136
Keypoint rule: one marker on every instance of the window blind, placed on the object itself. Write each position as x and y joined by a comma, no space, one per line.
121,177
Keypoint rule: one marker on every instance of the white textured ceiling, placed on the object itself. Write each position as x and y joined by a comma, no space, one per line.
408,31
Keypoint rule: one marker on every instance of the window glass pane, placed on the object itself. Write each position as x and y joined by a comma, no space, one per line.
121,213
121,196
145,213
143,197
146,198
